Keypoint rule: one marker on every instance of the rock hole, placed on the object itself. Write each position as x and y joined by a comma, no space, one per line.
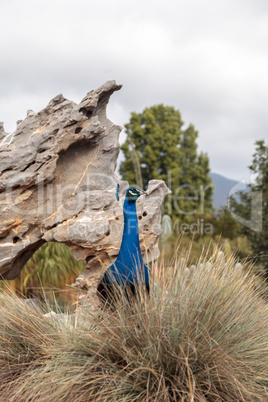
89,258
78,130
6,170
29,165
140,217
144,213
89,114
54,132
117,218
107,233
52,264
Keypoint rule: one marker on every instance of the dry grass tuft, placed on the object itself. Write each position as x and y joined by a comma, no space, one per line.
200,336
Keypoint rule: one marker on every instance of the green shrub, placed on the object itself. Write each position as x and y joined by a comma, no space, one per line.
50,269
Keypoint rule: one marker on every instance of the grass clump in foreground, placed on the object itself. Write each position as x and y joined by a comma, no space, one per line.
200,336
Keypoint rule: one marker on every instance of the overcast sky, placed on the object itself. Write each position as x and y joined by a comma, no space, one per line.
207,58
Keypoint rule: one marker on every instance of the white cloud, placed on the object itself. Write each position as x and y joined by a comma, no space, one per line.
208,59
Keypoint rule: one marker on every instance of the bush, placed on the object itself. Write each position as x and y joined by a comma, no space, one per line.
50,269
201,335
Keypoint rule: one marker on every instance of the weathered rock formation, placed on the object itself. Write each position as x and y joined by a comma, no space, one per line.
57,183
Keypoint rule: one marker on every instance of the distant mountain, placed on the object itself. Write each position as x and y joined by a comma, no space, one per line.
224,187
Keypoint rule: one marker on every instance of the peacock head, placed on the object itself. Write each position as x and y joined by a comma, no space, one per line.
133,193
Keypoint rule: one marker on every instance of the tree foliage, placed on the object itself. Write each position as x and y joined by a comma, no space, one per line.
157,147
225,225
253,206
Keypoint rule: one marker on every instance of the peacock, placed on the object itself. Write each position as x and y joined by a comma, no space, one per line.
128,267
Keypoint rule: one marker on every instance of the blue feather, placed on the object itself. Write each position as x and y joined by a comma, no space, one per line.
117,192
129,267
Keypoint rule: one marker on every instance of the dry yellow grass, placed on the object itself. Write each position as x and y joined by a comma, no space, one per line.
200,336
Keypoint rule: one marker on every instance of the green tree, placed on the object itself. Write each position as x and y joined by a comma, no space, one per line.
225,225
253,206
157,147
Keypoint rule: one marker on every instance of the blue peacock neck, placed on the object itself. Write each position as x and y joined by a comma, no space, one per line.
129,264
130,245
